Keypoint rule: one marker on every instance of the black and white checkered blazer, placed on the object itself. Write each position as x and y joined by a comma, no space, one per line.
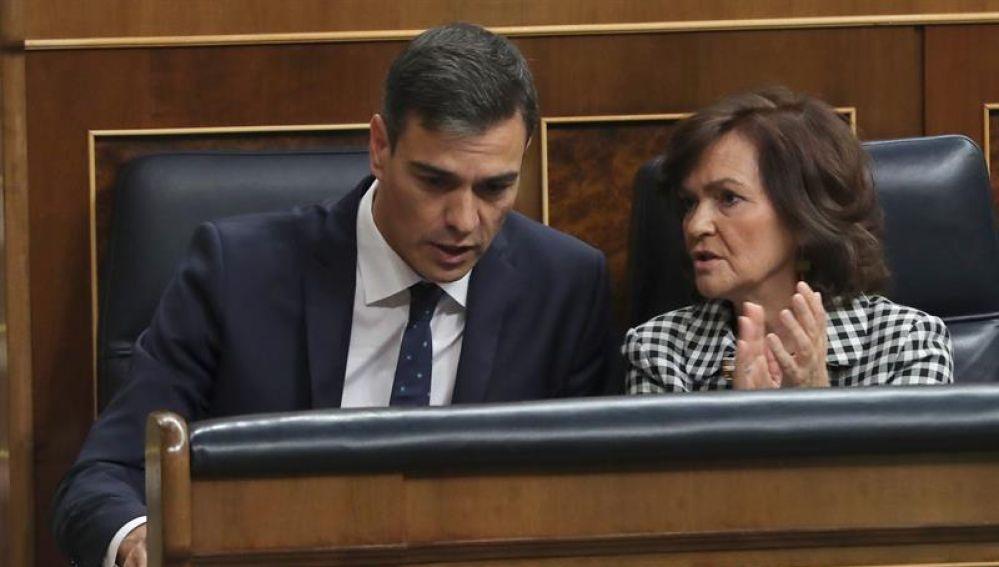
872,341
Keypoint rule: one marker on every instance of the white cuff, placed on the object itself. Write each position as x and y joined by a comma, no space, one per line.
112,554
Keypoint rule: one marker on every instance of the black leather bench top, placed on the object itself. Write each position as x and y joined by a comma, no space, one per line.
599,432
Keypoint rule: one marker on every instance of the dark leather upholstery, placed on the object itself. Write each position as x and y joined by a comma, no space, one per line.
940,242
940,236
601,431
160,199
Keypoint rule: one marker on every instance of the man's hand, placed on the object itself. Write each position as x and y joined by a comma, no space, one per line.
132,551
755,367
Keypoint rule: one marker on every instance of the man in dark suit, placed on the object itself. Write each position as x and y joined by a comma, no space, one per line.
420,287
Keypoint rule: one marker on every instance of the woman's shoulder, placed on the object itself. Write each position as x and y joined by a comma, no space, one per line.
886,316
666,321
679,324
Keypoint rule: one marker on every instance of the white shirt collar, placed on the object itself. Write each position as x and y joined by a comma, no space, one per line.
383,272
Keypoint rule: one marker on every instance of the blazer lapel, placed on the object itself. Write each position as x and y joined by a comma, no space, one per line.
494,285
329,285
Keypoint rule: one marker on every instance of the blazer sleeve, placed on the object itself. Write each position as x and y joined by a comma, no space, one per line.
173,367
654,354
597,367
925,356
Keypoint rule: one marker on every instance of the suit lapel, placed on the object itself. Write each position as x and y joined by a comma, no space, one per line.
329,285
492,290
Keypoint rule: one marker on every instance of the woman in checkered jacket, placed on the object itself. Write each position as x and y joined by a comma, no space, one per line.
783,230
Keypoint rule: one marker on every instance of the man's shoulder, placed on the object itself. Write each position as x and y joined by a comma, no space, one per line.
299,228
532,239
297,219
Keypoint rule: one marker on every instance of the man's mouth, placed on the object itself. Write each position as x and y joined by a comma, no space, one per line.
453,254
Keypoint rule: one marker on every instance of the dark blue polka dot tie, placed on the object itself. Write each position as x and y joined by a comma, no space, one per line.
416,355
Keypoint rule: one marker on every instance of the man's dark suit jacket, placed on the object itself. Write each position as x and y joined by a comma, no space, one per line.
258,319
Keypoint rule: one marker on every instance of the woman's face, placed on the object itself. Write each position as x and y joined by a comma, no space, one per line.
741,250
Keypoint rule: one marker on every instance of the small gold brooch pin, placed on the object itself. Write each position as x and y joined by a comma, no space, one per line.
728,368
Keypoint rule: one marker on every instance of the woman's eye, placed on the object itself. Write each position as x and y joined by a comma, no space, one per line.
729,199
686,205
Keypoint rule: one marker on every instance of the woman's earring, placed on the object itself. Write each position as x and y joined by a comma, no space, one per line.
802,266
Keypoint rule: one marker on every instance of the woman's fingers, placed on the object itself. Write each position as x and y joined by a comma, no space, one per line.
776,374
802,310
814,301
803,342
761,376
788,366
754,368
743,365
756,315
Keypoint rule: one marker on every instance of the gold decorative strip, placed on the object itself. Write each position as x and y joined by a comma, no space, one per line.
93,135
230,130
849,111
514,31
987,110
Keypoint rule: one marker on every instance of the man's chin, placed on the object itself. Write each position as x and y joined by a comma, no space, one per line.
447,274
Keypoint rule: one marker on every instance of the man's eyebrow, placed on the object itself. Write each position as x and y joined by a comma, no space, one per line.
501,178
427,168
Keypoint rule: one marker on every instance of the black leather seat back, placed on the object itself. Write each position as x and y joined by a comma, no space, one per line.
940,237
660,277
940,244
161,199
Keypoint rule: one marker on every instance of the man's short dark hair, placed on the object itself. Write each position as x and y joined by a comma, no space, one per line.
815,173
459,78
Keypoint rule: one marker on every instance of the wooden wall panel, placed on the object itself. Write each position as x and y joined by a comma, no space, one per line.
991,148
111,18
880,71
17,494
962,76
591,169
75,91
657,73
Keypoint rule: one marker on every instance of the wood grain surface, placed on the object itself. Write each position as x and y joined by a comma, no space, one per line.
904,81
860,510
96,18
961,78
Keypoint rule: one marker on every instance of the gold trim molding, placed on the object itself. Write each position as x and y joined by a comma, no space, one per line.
43,44
849,111
93,135
987,110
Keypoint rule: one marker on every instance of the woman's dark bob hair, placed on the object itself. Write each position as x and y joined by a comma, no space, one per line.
815,173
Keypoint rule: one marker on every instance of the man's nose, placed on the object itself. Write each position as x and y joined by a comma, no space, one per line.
461,213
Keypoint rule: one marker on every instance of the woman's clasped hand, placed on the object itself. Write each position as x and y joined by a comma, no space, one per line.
766,360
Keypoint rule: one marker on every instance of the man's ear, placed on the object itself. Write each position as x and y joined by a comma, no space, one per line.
379,149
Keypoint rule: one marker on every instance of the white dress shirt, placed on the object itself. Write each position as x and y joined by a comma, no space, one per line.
119,536
381,311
